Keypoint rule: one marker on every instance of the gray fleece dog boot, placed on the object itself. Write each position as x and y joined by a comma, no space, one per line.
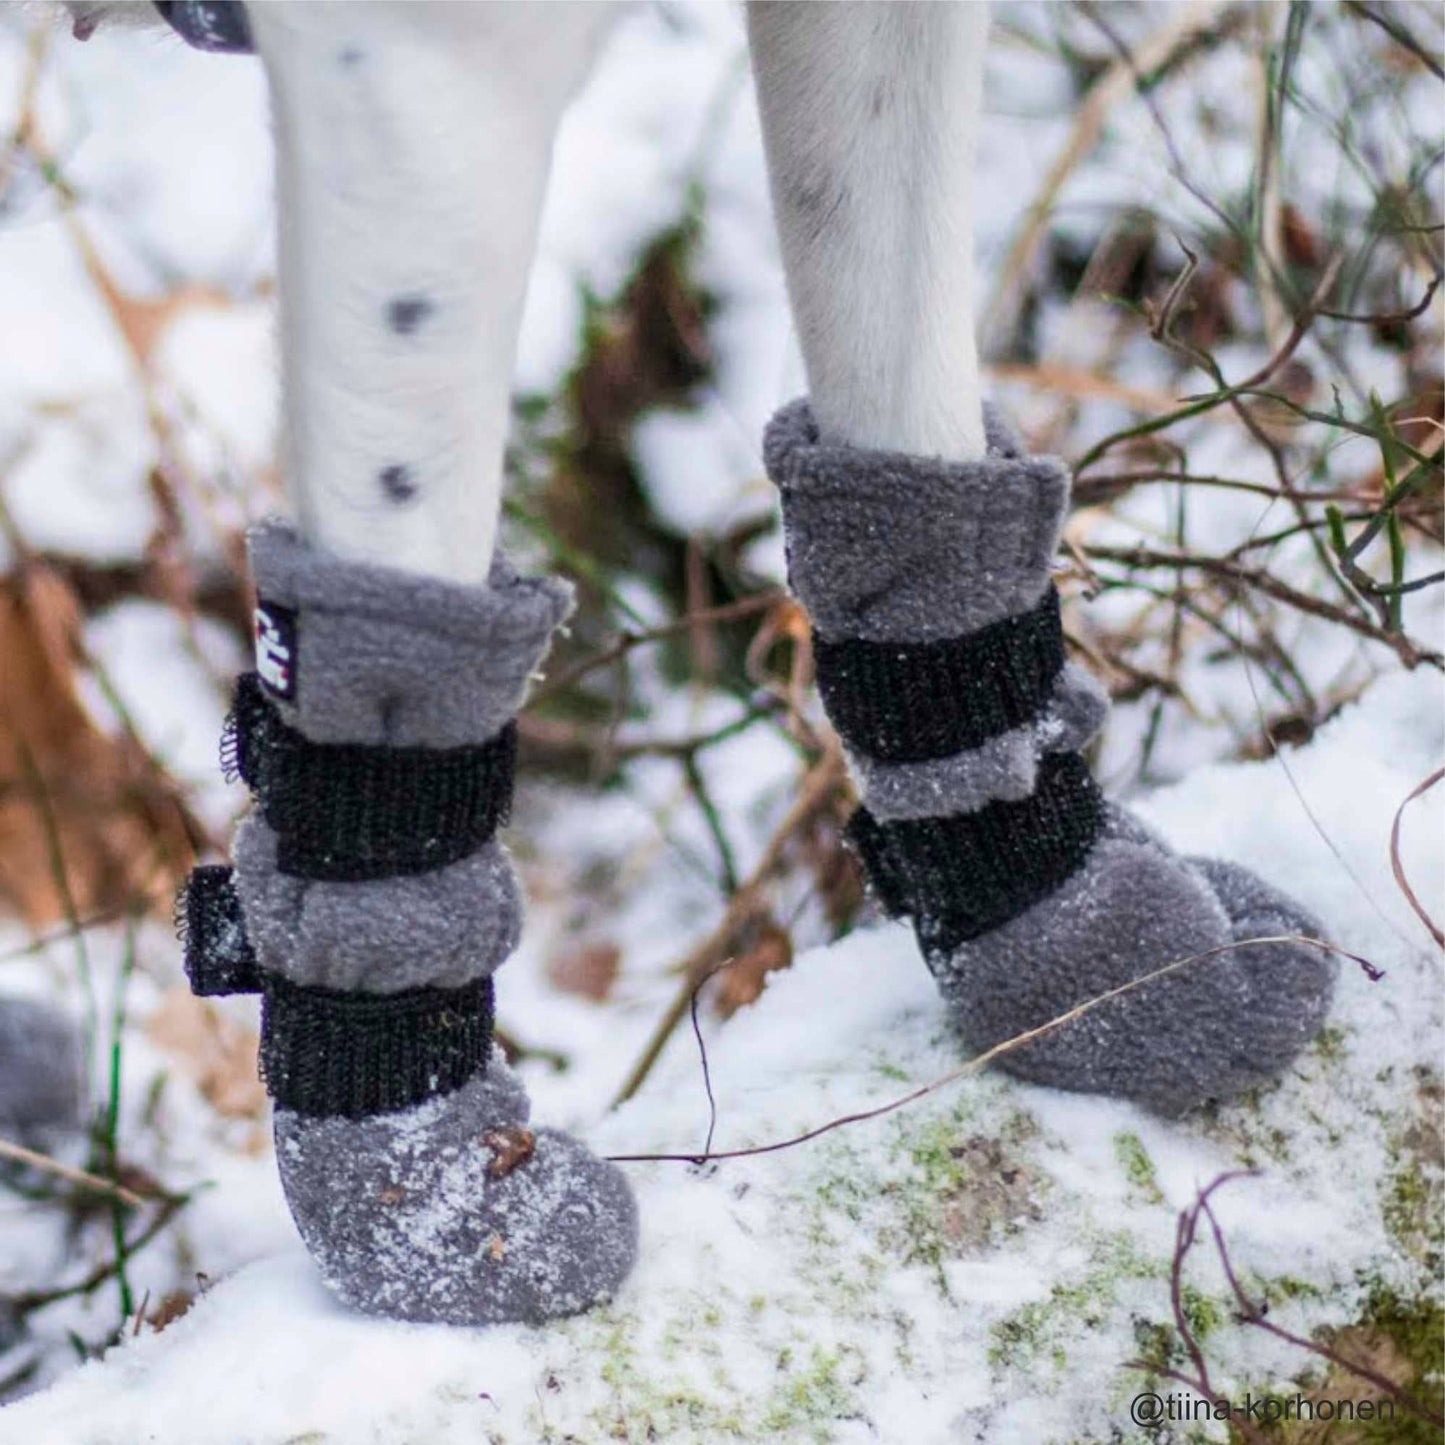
370,904
41,1071
940,661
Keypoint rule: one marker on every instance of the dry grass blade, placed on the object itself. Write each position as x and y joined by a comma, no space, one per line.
21,1155
819,785
1399,868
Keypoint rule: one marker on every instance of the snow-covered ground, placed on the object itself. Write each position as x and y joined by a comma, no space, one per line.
977,1266
974,1267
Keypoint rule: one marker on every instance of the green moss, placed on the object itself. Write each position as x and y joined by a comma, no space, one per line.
1411,1192
1286,1287
1330,1045
646,1404
809,1404
1205,1313
843,1188
1138,1167
1416,1327
955,1189
618,1355
1410,1205
1043,1328
933,1150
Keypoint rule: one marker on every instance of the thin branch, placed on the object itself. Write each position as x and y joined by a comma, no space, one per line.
1254,1313
33,1300
1407,651
983,1060
817,788
628,641
1390,318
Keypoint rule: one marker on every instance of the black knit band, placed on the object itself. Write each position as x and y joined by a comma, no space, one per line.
350,812
912,702
961,876
218,956
353,1055
325,1053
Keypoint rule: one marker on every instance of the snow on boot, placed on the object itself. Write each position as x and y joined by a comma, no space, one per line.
41,1069
370,904
940,661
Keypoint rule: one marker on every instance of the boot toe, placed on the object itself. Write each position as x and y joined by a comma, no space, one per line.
1213,1028
1293,980
418,1216
566,1232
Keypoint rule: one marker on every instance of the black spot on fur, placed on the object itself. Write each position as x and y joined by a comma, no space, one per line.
398,483
404,314
816,200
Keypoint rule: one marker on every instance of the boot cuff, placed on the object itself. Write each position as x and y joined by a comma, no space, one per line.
509,608
352,652
886,546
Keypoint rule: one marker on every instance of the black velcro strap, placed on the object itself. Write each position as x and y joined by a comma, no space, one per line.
961,876
328,1054
911,702
353,1055
350,812
218,956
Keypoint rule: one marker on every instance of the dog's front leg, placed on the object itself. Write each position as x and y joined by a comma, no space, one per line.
413,141
870,113
370,901
921,539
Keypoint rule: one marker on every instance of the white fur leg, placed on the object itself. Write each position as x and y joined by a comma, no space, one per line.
414,140
870,113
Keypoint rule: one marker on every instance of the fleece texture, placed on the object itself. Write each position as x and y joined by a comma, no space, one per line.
384,656
894,548
888,547
410,1214
443,928
1208,1031
406,1215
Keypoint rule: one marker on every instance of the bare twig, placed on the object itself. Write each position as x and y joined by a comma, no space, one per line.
1410,653
1107,92
1255,1312
33,1300
983,1060
628,641
817,788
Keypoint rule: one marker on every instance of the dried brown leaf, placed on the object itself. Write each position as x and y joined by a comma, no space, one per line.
743,980
589,970
511,1148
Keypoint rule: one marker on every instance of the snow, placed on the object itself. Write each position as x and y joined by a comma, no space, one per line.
845,1289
